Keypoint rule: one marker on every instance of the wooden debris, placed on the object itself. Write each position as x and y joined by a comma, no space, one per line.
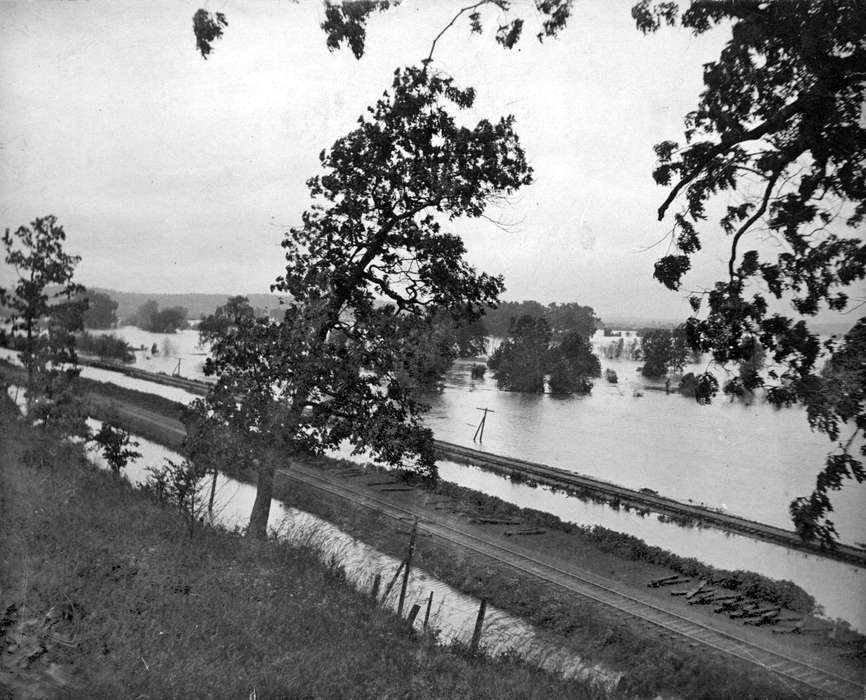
697,589
512,533
495,521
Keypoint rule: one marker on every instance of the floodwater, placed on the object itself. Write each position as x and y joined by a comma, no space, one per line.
453,613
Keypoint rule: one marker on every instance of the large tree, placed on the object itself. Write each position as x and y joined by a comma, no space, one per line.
778,133
371,257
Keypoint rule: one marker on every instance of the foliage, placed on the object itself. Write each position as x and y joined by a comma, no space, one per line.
227,318
45,315
520,362
101,310
105,346
330,370
150,317
781,115
117,447
345,23
207,27
837,395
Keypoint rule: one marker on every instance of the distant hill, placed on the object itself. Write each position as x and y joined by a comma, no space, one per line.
197,305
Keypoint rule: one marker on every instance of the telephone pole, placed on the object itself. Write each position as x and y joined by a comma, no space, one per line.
479,431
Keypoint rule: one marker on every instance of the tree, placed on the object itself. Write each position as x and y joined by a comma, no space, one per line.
168,320
227,318
101,310
117,447
656,350
328,371
781,115
572,365
520,362
45,315
143,316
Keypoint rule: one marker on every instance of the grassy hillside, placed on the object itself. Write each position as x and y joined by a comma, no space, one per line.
103,593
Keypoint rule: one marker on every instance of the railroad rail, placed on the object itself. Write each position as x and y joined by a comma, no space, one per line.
797,673
571,481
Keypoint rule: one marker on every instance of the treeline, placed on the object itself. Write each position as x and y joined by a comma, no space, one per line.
560,318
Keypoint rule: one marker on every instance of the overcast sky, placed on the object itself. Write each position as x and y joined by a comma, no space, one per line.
175,174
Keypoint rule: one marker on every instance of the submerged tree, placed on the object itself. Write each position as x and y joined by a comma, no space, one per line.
781,115
573,365
370,257
520,362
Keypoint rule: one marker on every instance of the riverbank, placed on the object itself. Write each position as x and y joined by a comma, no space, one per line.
105,594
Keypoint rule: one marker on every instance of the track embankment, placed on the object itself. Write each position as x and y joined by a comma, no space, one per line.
579,484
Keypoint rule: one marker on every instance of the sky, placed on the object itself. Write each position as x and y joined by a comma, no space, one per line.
170,173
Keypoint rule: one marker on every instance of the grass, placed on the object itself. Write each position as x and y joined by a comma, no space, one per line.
112,598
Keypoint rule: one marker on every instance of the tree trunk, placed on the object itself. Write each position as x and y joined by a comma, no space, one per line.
258,526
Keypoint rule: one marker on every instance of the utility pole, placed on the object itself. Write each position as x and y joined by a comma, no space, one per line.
479,431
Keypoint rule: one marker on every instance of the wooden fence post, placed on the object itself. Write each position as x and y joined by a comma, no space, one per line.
212,494
413,613
427,614
479,621
408,567
393,581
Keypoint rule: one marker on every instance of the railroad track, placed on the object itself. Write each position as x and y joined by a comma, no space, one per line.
562,478
798,674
